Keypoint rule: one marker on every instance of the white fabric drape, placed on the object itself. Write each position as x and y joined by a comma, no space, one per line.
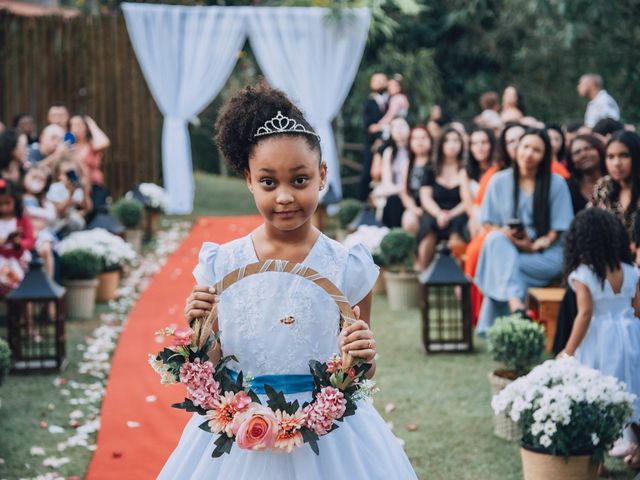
186,55
314,59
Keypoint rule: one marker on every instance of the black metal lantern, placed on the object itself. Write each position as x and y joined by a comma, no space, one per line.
446,305
104,219
36,322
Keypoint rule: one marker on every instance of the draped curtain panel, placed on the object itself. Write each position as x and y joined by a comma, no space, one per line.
186,55
314,58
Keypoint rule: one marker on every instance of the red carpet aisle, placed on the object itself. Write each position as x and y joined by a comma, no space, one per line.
137,435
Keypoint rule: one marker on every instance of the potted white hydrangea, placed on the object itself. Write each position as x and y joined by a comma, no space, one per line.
569,416
517,344
114,252
155,200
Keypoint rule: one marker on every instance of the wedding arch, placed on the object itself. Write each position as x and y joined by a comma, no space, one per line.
187,53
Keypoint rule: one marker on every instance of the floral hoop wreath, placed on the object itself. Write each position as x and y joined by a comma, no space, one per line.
231,404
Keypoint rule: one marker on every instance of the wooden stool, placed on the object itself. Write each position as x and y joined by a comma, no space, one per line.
546,303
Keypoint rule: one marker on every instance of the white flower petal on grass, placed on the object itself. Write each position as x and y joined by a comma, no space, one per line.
150,398
54,462
76,414
55,429
36,451
132,424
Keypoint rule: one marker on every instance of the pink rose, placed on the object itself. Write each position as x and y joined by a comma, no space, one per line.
352,373
241,401
256,429
182,337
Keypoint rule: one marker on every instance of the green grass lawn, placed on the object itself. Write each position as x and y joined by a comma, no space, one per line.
445,395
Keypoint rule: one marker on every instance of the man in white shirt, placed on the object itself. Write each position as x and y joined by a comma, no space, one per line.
601,104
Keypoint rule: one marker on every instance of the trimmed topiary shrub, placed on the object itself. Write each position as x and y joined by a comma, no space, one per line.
129,212
397,248
80,265
517,343
350,208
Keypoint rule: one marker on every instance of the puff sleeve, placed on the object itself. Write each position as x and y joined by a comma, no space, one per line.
584,275
360,275
204,273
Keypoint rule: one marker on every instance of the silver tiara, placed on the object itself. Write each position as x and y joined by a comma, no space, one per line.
282,124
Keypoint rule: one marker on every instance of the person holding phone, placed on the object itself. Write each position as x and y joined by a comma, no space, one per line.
71,197
528,209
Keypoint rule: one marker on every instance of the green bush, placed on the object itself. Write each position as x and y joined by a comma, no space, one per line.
517,343
80,265
5,359
349,210
397,248
129,212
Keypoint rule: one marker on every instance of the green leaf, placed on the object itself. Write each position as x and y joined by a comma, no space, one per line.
189,407
277,400
223,445
205,426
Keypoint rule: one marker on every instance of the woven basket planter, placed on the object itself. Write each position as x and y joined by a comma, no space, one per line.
80,299
503,426
403,290
134,238
544,466
107,286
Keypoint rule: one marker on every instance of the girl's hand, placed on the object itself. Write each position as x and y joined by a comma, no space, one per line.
357,339
200,302
443,219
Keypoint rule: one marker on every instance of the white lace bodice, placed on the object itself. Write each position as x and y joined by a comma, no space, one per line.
252,310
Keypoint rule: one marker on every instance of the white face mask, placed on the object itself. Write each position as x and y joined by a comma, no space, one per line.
34,186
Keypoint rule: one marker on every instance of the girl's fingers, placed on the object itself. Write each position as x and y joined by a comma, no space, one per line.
356,312
193,314
358,335
205,297
359,325
360,345
198,305
203,289
367,355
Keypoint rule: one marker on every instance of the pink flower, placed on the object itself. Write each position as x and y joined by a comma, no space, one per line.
352,373
289,436
202,389
241,401
182,336
334,363
328,405
256,429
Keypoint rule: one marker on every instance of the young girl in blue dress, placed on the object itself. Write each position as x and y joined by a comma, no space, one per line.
606,331
263,136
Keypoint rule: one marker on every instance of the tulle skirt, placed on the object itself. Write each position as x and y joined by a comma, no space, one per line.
363,447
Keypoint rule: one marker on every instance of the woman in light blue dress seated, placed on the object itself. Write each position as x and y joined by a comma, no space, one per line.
529,209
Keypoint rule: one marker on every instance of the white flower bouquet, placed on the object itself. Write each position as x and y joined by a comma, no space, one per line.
112,250
564,408
156,197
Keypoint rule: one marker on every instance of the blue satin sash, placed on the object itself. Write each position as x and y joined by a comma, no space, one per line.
280,383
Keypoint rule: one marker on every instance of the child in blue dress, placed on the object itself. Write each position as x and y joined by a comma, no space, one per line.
606,332
265,137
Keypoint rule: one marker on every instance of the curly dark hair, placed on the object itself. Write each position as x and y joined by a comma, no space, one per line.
245,112
598,239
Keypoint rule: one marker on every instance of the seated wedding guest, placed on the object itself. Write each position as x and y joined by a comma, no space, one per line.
70,195
16,237
91,143
571,131
398,105
507,144
386,194
439,116
444,217
24,123
50,147
43,214
413,175
13,154
607,127
585,160
482,145
528,209
619,191
556,136
512,105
